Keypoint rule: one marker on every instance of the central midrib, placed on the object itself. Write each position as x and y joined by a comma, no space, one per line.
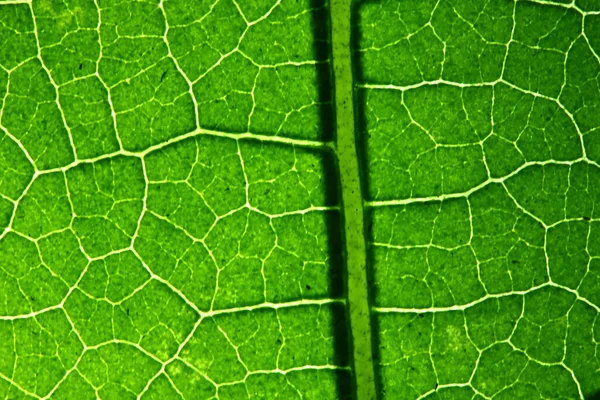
352,201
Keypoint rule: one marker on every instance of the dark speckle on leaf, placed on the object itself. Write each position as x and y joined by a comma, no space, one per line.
586,218
162,77
308,287
80,66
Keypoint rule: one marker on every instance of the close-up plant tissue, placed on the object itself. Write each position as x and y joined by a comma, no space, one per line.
300,199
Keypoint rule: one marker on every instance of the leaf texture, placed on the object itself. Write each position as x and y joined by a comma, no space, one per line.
299,199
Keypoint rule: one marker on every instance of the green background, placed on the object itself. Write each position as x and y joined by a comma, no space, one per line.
171,223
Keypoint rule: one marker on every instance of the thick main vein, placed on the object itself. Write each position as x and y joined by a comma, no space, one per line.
358,303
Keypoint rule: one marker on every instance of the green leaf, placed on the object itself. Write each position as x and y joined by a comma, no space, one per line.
299,199
481,180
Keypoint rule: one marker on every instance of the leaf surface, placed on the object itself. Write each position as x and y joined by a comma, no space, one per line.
482,181
299,199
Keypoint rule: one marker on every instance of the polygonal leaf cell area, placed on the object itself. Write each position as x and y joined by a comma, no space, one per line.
165,227
480,126
171,204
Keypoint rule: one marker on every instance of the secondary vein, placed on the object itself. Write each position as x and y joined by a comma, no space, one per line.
358,294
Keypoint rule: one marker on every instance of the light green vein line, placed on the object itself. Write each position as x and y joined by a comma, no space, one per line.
358,303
